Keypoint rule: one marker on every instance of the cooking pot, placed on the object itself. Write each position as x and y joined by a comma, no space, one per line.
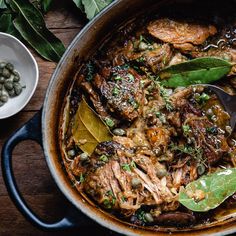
43,128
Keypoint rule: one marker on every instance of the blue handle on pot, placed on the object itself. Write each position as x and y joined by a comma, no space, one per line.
32,130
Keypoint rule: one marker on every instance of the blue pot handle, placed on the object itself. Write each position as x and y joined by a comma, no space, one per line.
32,131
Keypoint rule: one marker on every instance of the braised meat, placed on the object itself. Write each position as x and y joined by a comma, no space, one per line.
183,35
138,143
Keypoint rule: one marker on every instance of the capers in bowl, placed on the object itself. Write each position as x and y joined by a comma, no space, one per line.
10,85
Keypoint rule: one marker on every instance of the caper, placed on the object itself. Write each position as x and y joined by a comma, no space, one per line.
2,64
201,169
17,88
119,132
11,93
2,79
142,46
8,85
84,156
4,98
135,182
9,66
161,172
228,129
148,217
16,78
6,73
71,152
1,71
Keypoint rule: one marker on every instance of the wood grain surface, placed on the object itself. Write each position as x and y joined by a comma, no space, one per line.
31,171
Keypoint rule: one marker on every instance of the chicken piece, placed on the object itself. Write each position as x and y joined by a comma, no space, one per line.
183,36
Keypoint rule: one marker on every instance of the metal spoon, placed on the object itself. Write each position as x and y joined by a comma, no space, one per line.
228,101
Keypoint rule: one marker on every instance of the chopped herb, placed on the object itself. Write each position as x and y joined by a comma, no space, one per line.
212,130
165,96
141,216
90,71
115,91
202,98
109,122
132,164
131,77
107,203
161,117
81,178
186,129
118,78
109,193
126,167
123,199
140,59
196,153
133,102
103,158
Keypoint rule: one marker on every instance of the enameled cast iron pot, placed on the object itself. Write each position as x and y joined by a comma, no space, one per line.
43,128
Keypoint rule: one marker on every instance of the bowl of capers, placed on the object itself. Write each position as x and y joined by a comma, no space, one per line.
18,75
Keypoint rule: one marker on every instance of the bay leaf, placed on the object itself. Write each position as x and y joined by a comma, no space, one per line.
214,188
2,5
7,25
93,7
79,4
45,5
31,26
87,126
197,71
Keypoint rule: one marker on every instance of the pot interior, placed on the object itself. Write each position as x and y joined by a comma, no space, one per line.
83,46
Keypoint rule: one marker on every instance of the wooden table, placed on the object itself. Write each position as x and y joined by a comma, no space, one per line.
32,174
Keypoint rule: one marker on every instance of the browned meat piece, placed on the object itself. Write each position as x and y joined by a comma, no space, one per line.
159,138
97,103
123,179
123,93
214,145
182,35
179,219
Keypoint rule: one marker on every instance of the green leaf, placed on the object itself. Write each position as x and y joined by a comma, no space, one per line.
7,25
88,129
213,188
79,4
46,4
2,5
93,7
31,26
197,71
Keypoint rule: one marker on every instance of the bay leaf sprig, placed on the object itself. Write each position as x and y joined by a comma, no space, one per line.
22,19
91,7
30,24
88,129
197,71
209,191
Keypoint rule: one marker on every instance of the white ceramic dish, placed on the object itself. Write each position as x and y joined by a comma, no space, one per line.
15,52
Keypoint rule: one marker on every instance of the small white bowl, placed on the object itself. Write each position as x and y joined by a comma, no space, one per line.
15,52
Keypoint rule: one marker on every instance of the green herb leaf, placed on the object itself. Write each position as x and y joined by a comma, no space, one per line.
79,4
2,5
197,71
88,130
46,4
93,7
31,26
209,191
7,25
